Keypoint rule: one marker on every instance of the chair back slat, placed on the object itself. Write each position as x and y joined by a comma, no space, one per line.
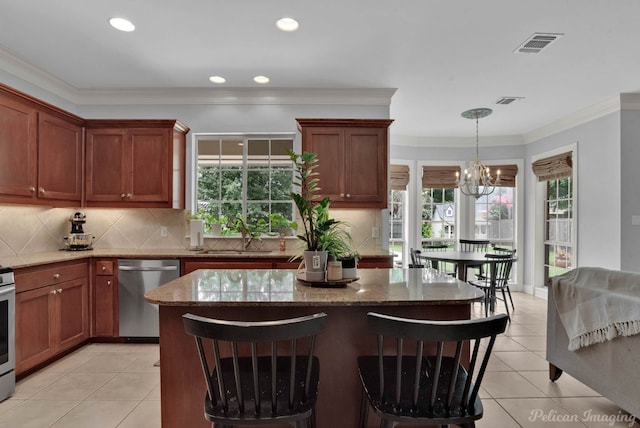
479,245
430,380
257,371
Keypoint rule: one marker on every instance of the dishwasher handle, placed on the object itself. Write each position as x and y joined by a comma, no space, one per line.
148,268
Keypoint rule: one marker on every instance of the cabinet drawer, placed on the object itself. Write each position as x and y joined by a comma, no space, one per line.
32,278
104,267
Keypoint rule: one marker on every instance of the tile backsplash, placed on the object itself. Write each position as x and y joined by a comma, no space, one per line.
34,229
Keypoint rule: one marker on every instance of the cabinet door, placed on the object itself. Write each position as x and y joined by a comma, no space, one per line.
107,176
72,299
328,144
149,165
104,311
18,149
35,341
60,159
366,173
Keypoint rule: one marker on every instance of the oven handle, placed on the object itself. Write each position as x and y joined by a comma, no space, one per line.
7,290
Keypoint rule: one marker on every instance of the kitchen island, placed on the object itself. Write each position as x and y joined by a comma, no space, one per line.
254,295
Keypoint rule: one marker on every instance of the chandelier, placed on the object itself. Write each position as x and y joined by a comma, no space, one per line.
477,179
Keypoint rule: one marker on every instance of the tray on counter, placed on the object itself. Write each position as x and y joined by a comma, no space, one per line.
338,283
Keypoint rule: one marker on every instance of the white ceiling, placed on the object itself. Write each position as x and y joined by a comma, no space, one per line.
443,56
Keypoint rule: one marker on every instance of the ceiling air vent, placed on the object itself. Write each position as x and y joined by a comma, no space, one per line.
537,42
507,100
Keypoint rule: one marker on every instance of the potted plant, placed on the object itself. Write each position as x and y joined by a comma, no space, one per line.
320,232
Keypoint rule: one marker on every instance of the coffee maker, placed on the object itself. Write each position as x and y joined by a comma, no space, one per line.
78,240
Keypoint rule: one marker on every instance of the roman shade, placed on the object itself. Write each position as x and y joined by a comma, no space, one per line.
507,174
399,177
553,167
439,177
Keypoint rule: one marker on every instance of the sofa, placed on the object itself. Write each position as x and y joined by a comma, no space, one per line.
598,309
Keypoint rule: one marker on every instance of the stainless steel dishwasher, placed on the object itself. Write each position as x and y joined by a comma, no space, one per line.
139,318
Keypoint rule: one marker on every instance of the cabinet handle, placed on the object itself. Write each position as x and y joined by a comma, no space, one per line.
32,189
342,195
348,195
108,283
41,191
59,290
56,275
53,291
104,268
123,196
129,196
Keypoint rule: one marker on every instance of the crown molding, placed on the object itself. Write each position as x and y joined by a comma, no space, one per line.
15,65
228,96
455,142
587,114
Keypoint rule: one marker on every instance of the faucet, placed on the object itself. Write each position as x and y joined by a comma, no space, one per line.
240,225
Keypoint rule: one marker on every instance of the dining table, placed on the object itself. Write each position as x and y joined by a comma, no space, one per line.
463,261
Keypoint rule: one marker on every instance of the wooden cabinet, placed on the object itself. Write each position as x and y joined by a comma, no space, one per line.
135,163
41,148
105,298
352,159
52,311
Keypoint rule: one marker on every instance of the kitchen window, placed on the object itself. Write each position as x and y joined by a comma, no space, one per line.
244,175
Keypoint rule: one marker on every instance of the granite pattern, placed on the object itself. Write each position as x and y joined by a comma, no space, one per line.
34,259
279,287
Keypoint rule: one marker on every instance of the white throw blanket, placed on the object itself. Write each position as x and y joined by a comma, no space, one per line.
596,305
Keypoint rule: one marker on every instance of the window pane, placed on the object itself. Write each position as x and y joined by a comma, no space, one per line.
281,183
258,183
231,184
438,215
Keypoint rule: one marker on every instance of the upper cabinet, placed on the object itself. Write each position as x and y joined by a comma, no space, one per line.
135,163
352,159
41,148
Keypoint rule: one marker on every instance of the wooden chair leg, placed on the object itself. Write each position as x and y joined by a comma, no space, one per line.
506,304
364,410
510,298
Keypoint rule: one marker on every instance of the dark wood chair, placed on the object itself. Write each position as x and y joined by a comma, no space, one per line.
415,259
497,279
478,245
512,252
436,264
405,383
258,372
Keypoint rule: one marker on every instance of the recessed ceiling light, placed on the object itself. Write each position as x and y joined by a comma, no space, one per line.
261,79
287,24
122,24
217,79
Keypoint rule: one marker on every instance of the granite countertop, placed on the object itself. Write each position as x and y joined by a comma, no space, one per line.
279,287
34,259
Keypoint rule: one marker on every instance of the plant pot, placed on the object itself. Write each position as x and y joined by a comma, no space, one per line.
315,265
349,267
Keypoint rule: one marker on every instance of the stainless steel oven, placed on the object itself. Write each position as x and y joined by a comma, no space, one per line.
7,333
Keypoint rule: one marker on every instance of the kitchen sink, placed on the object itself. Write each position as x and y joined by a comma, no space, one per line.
222,252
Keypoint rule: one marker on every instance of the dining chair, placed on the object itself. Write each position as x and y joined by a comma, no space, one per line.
415,258
512,252
419,377
478,245
497,279
258,372
436,264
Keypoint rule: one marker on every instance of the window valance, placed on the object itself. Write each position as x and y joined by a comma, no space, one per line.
553,167
507,174
439,177
398,177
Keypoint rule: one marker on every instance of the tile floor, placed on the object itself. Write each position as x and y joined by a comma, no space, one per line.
107,385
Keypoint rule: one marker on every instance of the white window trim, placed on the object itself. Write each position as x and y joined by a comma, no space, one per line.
536,258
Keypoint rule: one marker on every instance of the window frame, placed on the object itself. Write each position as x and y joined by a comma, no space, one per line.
193,161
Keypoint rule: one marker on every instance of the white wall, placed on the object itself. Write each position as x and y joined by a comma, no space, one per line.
598,195
630,188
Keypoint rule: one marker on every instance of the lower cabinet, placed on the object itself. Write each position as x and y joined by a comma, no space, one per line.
105,298
52,312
